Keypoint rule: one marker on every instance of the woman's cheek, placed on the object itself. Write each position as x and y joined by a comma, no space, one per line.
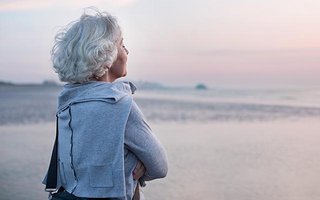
119,69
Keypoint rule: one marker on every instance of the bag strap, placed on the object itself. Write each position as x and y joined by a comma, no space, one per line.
51,184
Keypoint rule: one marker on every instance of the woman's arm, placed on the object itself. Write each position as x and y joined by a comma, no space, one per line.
142,142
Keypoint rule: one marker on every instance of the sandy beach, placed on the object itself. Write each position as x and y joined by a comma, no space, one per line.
224,161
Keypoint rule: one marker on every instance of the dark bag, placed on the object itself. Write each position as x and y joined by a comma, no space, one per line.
51,184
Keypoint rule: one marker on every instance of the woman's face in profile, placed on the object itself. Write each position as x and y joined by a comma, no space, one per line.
119,67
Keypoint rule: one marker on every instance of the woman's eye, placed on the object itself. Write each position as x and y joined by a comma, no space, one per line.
125,49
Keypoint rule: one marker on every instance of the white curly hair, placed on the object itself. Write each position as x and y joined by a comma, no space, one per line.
86,48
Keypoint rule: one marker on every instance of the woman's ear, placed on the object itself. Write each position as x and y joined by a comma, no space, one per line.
106,67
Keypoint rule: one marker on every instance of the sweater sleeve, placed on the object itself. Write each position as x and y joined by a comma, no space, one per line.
141,141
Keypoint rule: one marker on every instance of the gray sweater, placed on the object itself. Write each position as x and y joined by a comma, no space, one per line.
102,135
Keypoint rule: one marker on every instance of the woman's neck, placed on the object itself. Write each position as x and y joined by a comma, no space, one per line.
107,77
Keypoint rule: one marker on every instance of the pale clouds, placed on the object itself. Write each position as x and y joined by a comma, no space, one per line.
18,5
212,41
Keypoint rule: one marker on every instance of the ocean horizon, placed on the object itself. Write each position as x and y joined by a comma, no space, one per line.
24,104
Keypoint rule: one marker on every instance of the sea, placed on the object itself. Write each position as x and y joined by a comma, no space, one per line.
222,143
36,104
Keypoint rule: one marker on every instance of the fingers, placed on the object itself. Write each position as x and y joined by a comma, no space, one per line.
138,166
138,171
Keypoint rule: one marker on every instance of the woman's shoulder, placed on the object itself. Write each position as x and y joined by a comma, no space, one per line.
96,90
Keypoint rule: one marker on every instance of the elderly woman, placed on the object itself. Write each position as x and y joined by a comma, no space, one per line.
104,146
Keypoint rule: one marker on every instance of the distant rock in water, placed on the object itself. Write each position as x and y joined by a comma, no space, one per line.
201,86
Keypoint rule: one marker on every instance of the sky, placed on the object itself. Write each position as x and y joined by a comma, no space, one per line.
215,42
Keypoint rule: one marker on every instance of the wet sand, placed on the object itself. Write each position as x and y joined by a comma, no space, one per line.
223,161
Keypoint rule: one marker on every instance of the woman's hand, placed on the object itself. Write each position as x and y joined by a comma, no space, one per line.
139,170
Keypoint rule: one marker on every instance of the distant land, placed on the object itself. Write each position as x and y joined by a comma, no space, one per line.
146,85
143,85
44,83
5,83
